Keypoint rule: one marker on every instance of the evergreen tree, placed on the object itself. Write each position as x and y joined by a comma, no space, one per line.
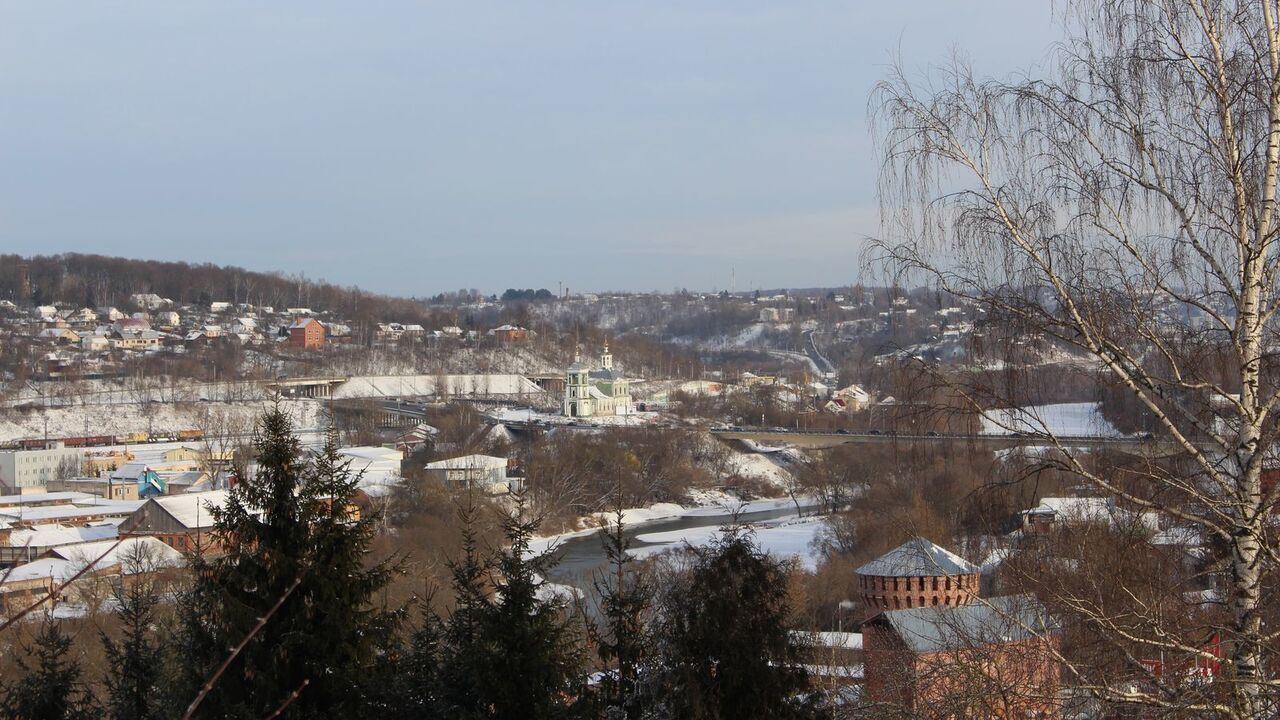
461,651
52,688
535,661
622,644
511,654
405,683
289,538
135,660
726,651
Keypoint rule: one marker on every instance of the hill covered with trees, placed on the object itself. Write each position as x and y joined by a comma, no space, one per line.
99,280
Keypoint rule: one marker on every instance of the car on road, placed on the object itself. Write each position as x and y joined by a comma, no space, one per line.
874,432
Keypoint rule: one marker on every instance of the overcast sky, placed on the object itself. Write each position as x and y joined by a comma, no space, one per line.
412,147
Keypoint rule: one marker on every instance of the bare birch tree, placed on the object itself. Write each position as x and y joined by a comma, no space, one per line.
1124,205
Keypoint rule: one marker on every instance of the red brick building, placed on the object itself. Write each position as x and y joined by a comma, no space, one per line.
307,334
941,651
509,334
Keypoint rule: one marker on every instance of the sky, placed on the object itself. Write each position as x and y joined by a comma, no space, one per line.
415,147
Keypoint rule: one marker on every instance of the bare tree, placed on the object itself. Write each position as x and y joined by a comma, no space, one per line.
1124,207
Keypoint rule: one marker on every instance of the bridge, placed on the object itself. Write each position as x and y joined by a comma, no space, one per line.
309,387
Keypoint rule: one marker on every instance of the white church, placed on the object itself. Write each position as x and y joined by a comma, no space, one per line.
591,391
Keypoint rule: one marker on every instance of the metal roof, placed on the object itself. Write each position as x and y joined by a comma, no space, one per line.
982,622
918,557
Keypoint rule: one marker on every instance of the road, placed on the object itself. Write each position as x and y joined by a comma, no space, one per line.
811,349
811,439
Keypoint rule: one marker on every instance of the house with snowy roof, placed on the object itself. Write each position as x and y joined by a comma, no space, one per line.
848,399
27,544
485,472
183,522
508,333
55,577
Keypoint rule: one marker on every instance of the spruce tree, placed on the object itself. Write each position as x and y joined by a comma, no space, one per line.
135,660
405,682
535,663
288,537
51,688
508,650
726,651
462,655
621,639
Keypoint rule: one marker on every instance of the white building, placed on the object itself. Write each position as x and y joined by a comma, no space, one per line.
589,392
485,472
37,468
150,301
376,466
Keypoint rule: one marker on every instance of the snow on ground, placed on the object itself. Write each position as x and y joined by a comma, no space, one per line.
121,419
787,538
749,336
799,358
708,503
759,467
426,386
1065,419
756,447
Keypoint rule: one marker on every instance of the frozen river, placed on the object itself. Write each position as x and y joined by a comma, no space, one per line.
778,527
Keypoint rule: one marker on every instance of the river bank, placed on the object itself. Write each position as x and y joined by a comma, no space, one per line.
778,526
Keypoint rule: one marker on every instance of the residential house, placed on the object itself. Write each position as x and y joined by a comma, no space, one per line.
307,334
509,333
148,301
485,472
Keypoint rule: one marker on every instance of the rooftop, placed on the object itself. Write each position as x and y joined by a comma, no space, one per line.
192,509
469,462
918,558
983,622
48,497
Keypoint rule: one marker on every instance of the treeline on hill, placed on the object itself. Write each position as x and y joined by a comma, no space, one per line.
98,280
512,295
290,620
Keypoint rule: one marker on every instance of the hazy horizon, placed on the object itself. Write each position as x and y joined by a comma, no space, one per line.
411,148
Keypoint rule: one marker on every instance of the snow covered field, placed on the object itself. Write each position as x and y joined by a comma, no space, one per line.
121,419
461,386
1066,419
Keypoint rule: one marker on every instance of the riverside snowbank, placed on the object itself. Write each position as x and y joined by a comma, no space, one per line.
707,505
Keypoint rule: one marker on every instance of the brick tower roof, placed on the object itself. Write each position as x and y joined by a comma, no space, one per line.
918,557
